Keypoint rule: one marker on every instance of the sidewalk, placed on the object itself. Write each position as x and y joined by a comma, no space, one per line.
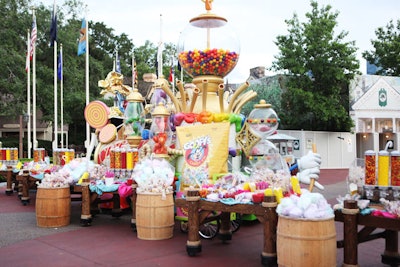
111,242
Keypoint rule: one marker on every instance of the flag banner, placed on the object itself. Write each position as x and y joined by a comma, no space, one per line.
33,37
53,26
171,74
60,66
118,65
82,39
27,62
28,59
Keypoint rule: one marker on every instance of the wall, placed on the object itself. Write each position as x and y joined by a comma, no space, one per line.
337,149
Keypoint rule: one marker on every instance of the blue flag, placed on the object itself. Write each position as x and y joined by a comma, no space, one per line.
53,26
118,65
60,67
82,39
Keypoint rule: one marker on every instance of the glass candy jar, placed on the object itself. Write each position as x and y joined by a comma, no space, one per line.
134,118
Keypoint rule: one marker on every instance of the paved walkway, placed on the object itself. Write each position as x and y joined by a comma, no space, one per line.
111,242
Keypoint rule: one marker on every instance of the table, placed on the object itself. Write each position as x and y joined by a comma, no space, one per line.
199,210
351,218
90,201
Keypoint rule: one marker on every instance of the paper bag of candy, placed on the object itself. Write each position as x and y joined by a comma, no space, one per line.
205,152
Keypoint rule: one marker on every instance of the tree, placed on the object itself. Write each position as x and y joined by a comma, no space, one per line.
319,67
386,52
103,42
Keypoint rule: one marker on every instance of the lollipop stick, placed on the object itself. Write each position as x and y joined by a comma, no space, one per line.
312,181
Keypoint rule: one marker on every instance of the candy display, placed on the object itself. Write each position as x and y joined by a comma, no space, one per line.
215,61
395,168
8,156
370,167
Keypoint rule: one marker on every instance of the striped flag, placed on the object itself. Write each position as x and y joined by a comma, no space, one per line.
33,37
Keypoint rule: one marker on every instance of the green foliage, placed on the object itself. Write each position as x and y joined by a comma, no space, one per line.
268,89
319,66
103,43
386,52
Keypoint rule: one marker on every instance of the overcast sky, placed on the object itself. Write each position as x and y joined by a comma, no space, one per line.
257,22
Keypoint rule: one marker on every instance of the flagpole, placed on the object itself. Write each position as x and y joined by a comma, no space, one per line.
133,69
34,88
87,86
54,44
55,142
62,97
28,93
159,53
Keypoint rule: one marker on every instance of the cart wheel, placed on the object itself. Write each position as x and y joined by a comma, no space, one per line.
236,222
184,227
209,230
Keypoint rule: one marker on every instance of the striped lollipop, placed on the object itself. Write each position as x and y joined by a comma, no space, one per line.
96,114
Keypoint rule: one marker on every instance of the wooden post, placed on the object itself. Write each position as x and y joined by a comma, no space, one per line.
225,233
9,189
391,255
350,231
193,244
25,187
134,197
270,222
86,216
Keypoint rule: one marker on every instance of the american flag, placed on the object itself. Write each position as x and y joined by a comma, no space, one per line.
33,36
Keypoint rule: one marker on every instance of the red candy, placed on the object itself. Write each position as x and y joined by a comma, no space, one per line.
215,61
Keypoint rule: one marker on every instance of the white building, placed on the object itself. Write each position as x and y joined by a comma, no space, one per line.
375,110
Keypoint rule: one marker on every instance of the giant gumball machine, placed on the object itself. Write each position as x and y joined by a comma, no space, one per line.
208,50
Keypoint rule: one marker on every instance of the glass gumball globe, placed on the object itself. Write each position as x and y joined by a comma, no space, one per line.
208,46
263,120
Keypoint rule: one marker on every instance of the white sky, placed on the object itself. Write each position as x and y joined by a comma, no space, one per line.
257,22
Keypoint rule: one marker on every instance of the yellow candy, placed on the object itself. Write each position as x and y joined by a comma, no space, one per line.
295,185
268,192
278,194
246,186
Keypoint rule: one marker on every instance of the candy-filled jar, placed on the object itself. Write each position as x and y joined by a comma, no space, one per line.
134,118
160,130
370,167
263,120
208,50
395,168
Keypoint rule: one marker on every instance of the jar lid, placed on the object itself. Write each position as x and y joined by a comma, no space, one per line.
135,96
262,104
383,153
370,153
395,153
208,20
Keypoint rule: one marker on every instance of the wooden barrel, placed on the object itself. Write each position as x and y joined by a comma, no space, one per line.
154,216
305,242
53,207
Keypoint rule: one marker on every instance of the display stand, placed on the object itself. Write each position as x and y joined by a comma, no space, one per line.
199,209
351,218
90,201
